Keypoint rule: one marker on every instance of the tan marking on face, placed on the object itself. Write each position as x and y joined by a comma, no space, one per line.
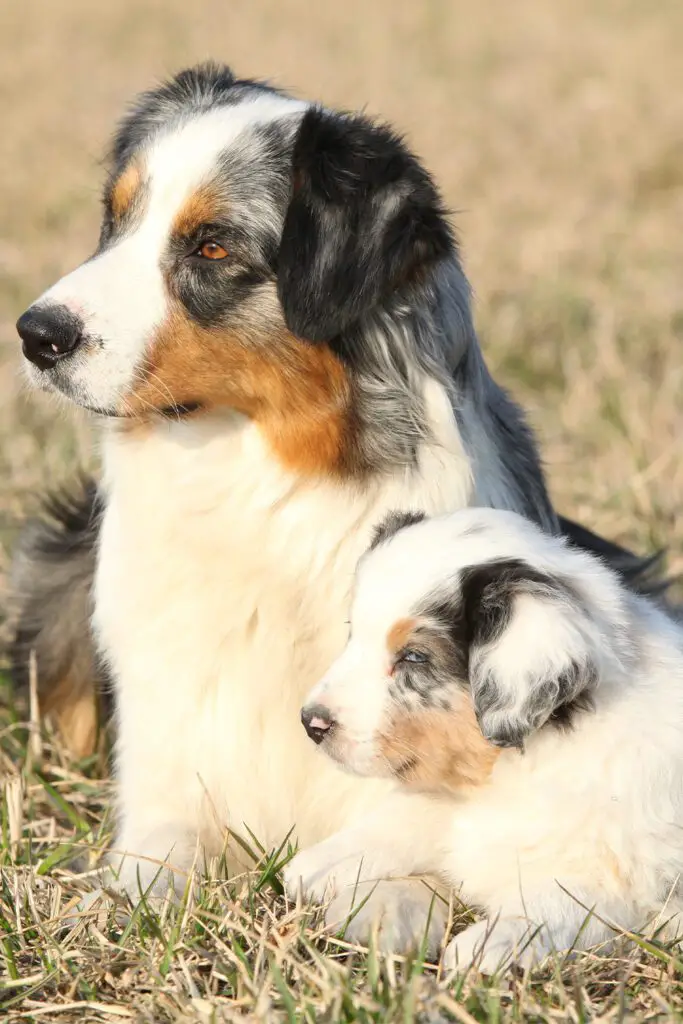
200,208
439,751
399,635
298,393
124,190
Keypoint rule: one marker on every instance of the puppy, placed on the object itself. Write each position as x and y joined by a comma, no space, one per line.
539,704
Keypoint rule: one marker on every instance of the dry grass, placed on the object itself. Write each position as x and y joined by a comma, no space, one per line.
556,132
237,950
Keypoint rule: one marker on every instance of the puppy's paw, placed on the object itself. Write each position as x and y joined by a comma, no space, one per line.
403,915
319,872
493,946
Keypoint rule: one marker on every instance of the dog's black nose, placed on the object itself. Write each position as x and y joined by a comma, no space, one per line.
49,333
317,721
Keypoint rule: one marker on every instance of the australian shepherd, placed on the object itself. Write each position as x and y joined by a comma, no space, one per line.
540,703
274,333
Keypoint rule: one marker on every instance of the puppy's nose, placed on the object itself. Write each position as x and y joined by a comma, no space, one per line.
317,721
49,333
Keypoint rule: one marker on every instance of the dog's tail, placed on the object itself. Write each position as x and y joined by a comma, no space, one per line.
51,607
642,574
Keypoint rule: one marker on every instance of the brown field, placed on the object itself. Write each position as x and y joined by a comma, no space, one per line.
556,133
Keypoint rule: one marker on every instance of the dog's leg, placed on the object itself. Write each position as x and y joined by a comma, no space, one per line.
551,921
156,867
154,863
405,914
365,875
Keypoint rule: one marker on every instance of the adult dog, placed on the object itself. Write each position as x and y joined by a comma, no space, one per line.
275,330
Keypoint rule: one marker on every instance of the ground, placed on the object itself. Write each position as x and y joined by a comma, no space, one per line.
555,133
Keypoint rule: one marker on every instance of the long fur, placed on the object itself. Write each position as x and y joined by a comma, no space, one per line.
533,704
264,406
52,577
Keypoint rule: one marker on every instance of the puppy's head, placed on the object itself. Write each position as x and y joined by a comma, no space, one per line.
244,232
469,634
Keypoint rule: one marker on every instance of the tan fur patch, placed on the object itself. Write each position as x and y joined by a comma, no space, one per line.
72,704
399,634
614,868
124,191
200,208
298,393
438,751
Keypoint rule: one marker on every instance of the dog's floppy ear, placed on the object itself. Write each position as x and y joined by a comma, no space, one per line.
364,219
532,648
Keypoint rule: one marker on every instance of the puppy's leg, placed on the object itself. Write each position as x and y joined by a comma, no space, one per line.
404,913
364,872
551,921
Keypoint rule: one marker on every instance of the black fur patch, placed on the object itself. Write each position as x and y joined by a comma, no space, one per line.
476,616
392,523
565,714
365,219
640,574
53,579
488,592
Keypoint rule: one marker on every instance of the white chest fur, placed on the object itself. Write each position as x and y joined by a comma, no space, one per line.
221,596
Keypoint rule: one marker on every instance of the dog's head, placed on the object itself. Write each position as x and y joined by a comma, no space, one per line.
469,634
246,235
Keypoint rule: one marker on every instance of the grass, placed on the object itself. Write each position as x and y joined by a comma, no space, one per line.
236,949
555,133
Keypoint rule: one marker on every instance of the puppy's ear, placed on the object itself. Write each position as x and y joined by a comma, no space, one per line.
532,648
364,219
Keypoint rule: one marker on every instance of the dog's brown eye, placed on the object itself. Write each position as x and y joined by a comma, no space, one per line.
212,251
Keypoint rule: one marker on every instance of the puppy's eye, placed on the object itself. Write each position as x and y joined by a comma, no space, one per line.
413,657
211,251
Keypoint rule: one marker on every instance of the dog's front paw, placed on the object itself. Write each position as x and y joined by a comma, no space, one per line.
321,871
156,866
402,915
493,946
114,900
361,902
97,907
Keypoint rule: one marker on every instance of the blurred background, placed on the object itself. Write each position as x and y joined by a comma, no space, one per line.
555,131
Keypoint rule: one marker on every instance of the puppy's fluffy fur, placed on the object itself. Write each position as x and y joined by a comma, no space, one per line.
541,703
275,330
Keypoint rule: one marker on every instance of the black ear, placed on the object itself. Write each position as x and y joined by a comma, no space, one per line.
364,219
533,649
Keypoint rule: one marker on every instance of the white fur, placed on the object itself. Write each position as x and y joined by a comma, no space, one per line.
222,592
120,293
223,581
589,819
